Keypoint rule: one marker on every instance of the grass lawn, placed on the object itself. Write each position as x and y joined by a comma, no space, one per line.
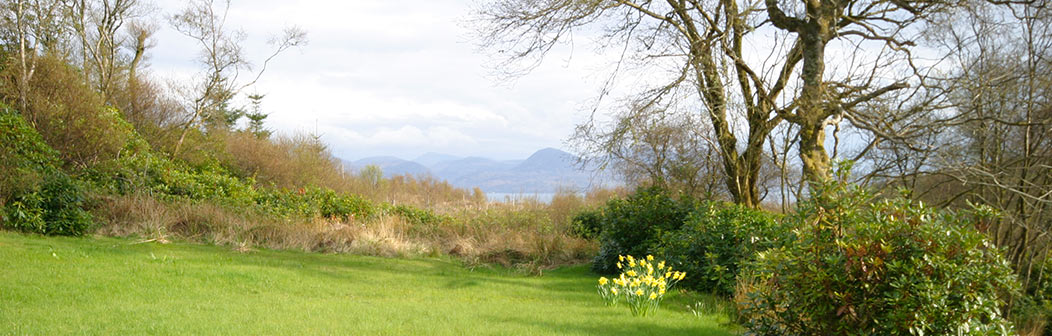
52,285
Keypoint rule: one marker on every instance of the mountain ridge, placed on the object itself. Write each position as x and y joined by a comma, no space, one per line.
547,170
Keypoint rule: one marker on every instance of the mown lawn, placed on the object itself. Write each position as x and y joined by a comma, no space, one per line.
52,286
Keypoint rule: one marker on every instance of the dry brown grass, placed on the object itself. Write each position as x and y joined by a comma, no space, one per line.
297,161
531,236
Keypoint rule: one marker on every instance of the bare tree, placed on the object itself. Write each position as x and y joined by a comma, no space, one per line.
97,25
744,92
655,147
223,59
999,148
32,28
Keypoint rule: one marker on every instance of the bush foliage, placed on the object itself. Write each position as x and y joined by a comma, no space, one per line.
68,114
587,224
715,241
35,195
709,240
635,225
865,267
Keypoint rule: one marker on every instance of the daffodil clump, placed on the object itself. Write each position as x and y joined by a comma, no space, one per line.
642,284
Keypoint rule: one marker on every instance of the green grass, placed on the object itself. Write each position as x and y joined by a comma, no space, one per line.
52,286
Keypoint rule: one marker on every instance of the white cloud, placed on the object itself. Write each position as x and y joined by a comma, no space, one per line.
400,78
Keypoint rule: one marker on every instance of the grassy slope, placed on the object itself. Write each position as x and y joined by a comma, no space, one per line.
114,286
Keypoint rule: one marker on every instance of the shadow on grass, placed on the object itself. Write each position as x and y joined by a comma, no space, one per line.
568,285
629,325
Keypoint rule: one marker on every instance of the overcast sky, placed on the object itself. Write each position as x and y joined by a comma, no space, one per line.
399,78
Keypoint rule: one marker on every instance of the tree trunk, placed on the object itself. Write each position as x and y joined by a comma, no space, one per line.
811,115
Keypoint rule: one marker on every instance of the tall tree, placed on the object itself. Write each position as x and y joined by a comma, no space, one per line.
256,116
223,60
999,144
816,24
97,25
32,28
713,49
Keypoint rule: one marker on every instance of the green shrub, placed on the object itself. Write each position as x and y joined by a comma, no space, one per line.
634,225
171,179
865,267
587,224
35,195
715,241
1032,313
313,203
418,216
68,114
138,172
336,205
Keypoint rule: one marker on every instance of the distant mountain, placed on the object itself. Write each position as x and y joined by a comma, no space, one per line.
432,158
546,171
549,159
391,166
454,171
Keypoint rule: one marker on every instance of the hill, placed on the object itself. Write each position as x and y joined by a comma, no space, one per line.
546,171
391,166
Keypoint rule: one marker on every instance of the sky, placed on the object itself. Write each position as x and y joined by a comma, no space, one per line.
398,78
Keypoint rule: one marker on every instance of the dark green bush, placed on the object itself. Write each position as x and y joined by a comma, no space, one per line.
418,216
164,178
312,203
343,206
715,241
170,179
1032,312
587,224
35,195
634,225
863,267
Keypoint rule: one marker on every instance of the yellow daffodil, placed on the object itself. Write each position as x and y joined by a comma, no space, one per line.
618,265
661,265
668,274
631,263
653,296
650,257
620,258
639,292
631,273
603,281
661,291
613,290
